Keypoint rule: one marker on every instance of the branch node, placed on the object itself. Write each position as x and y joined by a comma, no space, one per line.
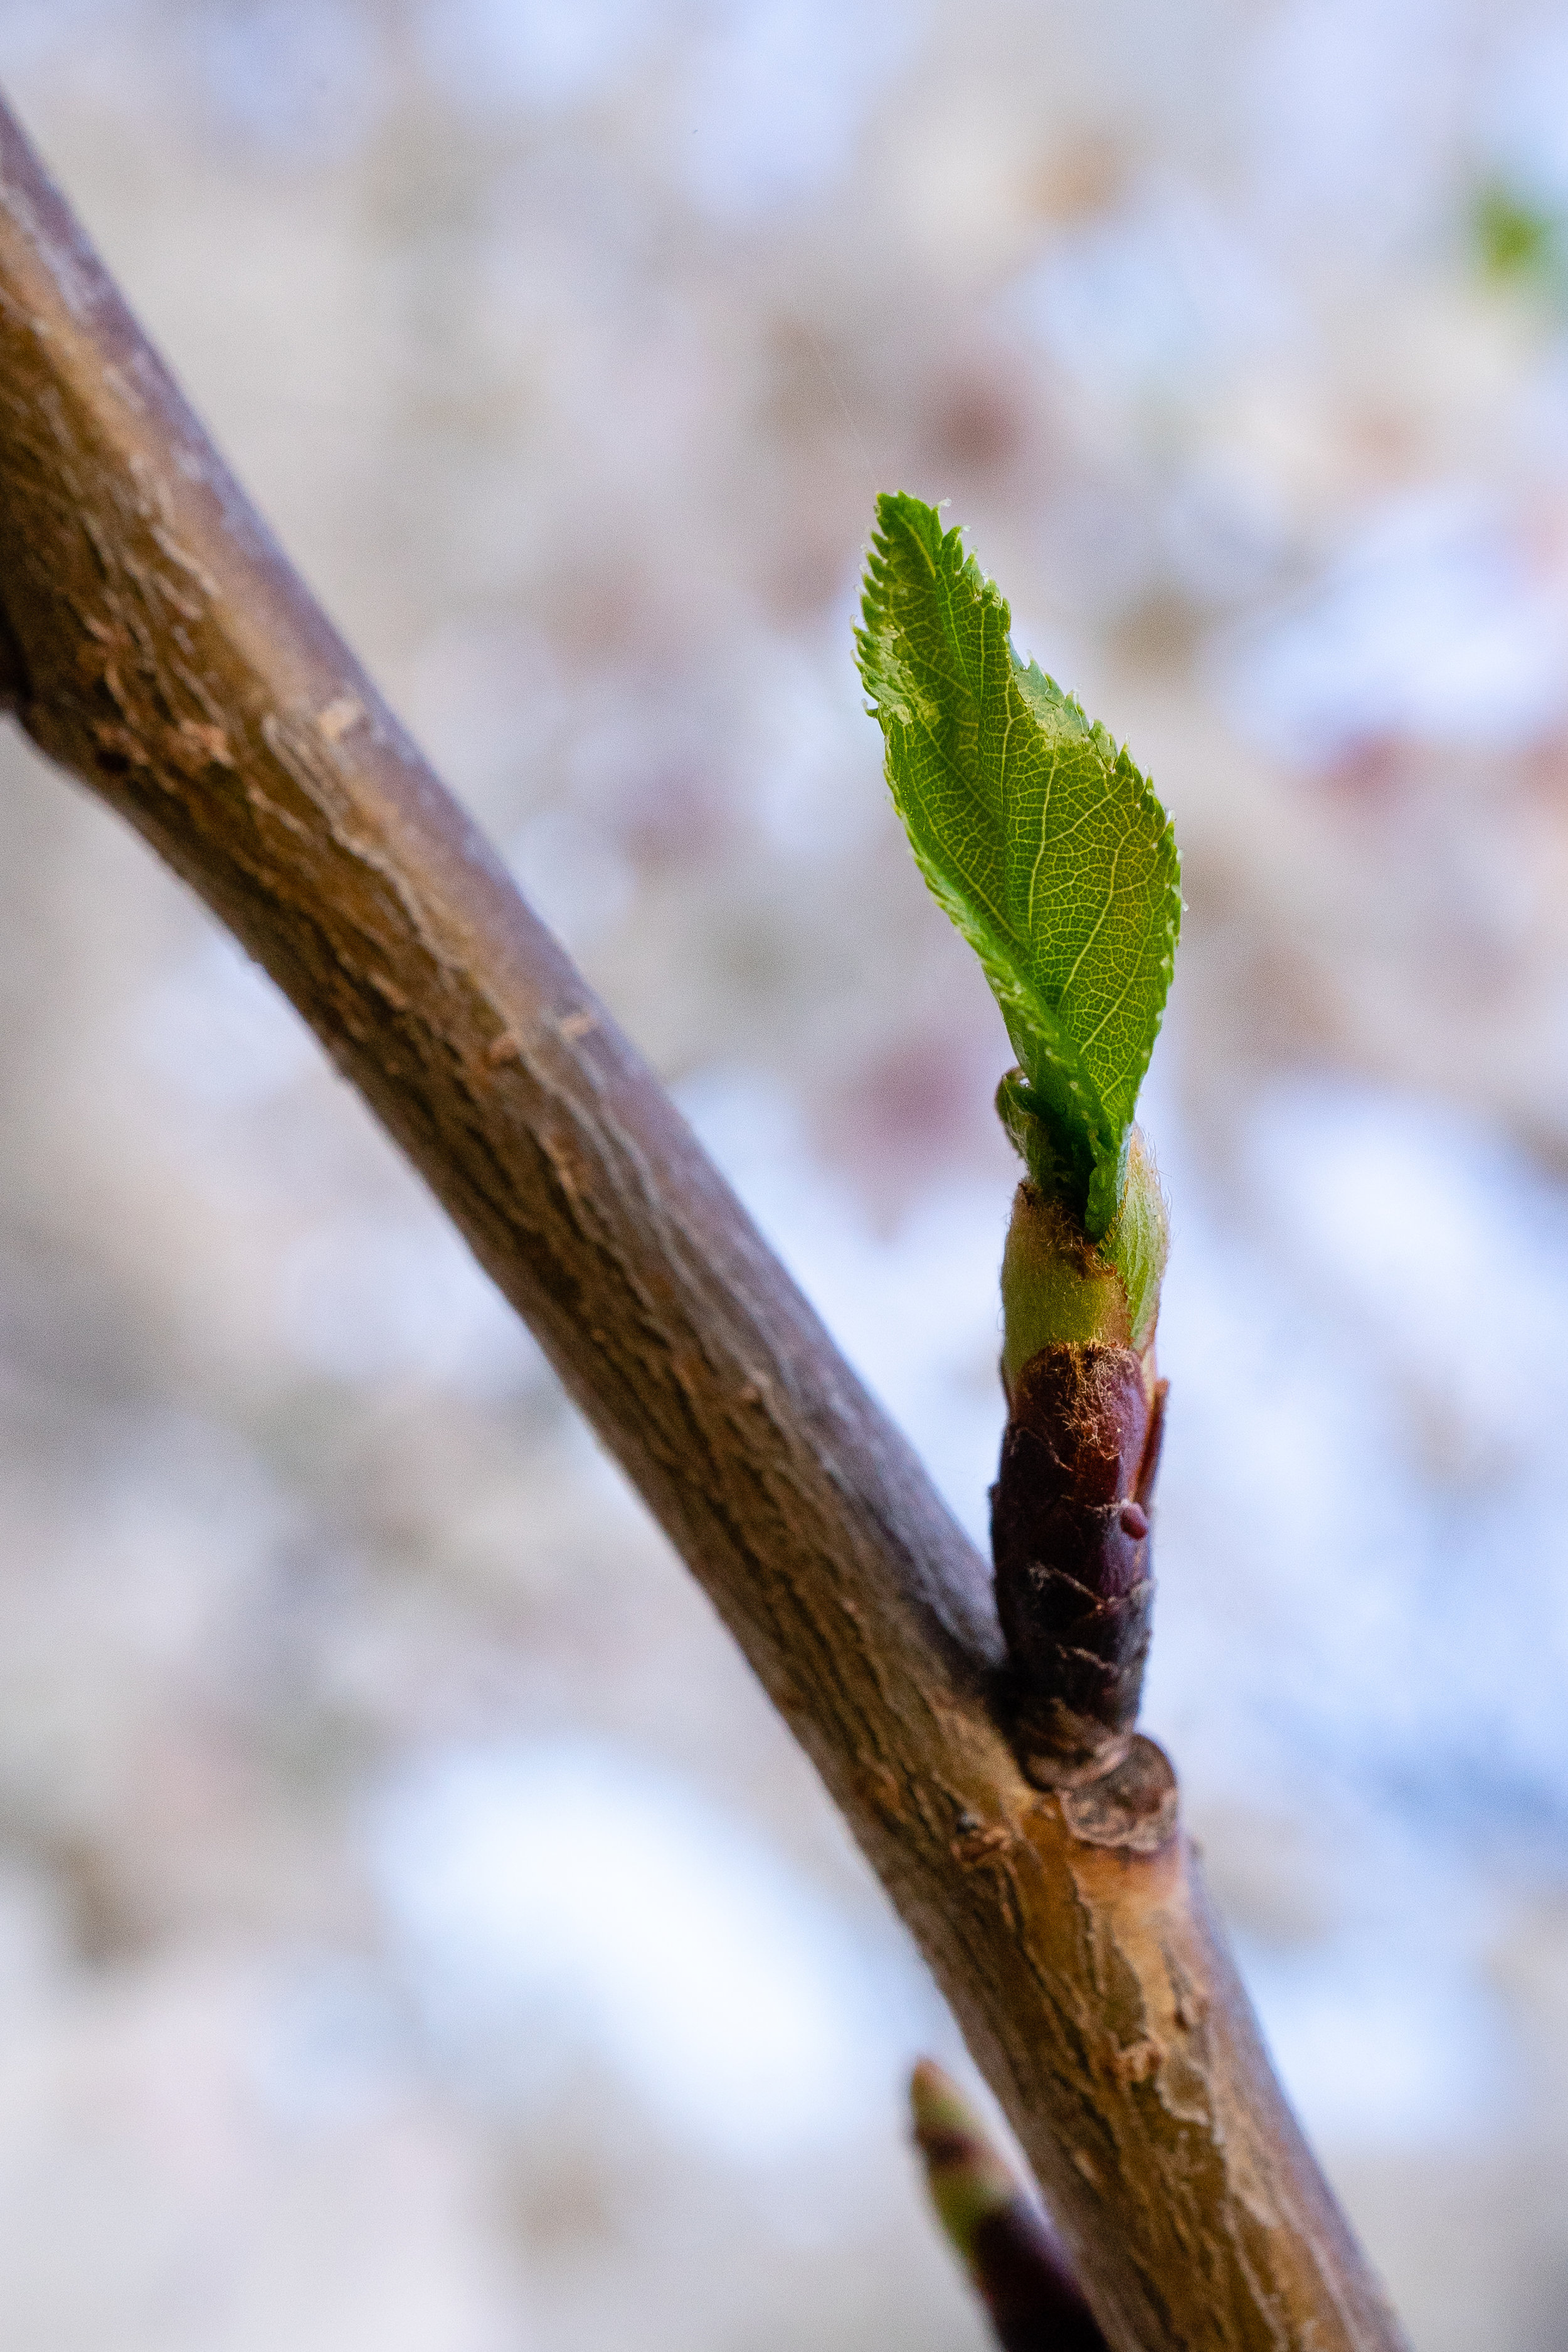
1135,1807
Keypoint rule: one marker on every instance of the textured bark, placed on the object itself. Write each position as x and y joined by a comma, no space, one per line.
1070,1539
158,646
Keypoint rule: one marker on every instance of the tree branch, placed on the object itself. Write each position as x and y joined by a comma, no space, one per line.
156,644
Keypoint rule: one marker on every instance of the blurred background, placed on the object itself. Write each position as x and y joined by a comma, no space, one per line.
415,1929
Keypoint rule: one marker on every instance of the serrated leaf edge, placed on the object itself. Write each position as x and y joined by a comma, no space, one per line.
1036,1032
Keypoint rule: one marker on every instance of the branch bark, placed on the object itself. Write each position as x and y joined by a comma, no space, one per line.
156,644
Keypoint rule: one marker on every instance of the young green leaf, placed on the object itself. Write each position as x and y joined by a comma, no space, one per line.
1043,841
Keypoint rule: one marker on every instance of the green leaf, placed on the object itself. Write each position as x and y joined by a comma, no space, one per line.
1041,839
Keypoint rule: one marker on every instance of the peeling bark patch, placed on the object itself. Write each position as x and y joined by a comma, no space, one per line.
338,716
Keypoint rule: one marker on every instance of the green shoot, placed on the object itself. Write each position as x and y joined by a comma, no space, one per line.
1043,841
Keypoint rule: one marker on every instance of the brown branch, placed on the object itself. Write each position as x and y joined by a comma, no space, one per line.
158,646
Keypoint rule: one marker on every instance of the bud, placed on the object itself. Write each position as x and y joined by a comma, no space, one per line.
1057,1285
995,2227
1070,1509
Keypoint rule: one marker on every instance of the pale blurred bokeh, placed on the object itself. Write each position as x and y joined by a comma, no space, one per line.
414,1930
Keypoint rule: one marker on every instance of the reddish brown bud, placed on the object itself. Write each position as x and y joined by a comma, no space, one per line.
1070,1539
995,2226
